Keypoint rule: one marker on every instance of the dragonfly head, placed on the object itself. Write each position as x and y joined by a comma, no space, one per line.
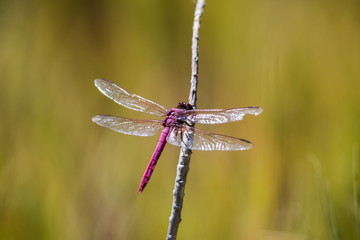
184,105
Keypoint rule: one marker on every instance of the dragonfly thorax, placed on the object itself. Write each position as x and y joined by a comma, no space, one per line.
175,117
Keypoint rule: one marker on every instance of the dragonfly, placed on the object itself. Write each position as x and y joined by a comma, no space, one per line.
177,124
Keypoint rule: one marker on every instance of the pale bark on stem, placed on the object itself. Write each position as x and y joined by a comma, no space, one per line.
184,158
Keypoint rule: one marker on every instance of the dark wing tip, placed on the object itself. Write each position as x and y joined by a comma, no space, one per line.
249,145
247,141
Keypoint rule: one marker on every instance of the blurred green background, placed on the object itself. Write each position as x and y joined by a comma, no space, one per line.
64,177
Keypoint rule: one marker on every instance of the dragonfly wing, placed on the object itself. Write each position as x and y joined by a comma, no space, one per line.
216,116
136,127
175,137
129,100
206,141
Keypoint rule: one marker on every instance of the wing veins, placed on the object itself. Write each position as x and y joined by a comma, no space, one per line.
216,116
136,127
128,100
207,141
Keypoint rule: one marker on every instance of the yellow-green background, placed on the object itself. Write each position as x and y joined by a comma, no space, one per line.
64,177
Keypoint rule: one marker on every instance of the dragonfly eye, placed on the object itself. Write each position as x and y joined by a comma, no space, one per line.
184,105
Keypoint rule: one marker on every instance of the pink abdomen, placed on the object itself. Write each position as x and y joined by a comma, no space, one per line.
154,159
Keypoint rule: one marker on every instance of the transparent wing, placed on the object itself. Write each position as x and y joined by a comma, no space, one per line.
129,100
216,116
206,141
129,126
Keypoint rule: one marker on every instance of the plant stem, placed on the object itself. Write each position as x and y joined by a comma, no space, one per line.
184,158
195,52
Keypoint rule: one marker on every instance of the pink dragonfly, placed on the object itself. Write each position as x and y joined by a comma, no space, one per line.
177,124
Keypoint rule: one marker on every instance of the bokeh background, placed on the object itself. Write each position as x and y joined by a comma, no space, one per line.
64,177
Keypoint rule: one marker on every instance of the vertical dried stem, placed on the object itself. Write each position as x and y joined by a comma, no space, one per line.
195,52
184,159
